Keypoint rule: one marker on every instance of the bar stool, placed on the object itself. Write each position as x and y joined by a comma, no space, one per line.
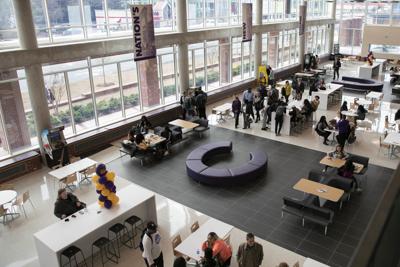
118,229
104,244
70,253
134,222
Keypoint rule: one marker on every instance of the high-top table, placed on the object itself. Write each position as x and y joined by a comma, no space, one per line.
72,168
369,72
324,94
92,224
192,244
392,139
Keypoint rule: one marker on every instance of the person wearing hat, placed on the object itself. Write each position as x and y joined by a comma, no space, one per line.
152,253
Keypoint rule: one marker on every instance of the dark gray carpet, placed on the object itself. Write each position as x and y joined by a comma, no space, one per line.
257,207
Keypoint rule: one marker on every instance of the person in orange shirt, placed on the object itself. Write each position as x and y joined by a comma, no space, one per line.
221,250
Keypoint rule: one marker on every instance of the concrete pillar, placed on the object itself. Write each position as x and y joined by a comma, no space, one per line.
332,27
34,73
149,83
258,36
225,59
302,39
183,61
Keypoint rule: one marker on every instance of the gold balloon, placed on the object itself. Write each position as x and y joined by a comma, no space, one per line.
95,178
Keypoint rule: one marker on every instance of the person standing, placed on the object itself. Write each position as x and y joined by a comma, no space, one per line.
152,253
343,127
221,250
336,66
271,76
258,102
247,111
250,253
280,111
236,109
248,98
201,103
265,114
287,90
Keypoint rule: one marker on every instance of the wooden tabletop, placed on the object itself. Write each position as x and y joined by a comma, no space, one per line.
320,190
184,124
153,139
338,163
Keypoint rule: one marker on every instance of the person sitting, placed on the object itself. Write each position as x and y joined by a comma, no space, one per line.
347,171
322,85
220,250
144,125
131,136
67,204
361,111
313,88
140,142
320,129
338,153
315,103
167,134
307,109
343,107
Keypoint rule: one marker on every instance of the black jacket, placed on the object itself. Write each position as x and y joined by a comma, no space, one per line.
67,206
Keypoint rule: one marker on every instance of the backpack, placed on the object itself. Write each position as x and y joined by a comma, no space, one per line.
141,239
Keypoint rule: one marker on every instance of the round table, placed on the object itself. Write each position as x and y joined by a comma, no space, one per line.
7,196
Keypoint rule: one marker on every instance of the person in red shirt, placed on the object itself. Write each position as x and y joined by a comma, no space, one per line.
221,250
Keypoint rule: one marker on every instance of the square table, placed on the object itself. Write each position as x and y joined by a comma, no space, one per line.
318,189
80,165
392,139
184,124
194,241
222,110
153,139
338,163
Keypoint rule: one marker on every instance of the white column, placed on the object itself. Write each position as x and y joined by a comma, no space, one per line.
332,27
34,73
183,62
258,36
302,40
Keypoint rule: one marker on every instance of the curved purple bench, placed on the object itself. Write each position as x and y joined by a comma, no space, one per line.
200,172
360,84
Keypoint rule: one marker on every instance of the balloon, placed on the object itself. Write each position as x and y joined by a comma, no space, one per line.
101,203
102,180
107,204
102,198
105,187
95,178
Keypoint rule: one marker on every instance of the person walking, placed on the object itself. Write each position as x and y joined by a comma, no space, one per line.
248,98
336,66
250,253
152,253
236,109
280,111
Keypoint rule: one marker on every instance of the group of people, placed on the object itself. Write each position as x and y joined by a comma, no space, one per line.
194,104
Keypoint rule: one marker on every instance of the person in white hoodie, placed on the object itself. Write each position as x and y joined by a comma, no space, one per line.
151,241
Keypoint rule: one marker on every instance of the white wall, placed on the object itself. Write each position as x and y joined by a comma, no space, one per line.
380,35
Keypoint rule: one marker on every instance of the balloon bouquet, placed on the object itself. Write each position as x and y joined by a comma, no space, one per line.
104,181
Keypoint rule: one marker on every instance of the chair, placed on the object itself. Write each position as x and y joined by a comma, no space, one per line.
70,180
175,242
71,253
381,144
203,126
194,227
86,174
227,240
21,200
104,245
134,222
4,213
119,230
363,161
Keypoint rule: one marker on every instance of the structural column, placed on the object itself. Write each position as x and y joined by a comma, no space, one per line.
258,36
183,62
332,27
34,73
302,27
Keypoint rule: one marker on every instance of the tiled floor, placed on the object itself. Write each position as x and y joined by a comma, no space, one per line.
254,207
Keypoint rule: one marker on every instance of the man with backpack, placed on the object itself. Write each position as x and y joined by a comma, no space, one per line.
151,246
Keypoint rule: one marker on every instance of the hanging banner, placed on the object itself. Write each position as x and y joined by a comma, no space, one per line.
143,32
247,18
302,19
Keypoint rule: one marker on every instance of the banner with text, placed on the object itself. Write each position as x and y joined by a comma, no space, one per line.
143,32
247,18
302,18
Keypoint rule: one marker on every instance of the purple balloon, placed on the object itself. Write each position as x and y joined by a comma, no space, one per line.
98,191
109,185
102,180
107,204
102,198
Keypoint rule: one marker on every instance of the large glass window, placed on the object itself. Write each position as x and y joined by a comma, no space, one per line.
130,88
198,63
236,59
8,33
213,70
167,71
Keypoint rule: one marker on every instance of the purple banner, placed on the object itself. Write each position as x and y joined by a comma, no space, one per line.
143,32
247,18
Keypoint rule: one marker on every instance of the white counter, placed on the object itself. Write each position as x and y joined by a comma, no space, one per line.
83,230
323,94
369,72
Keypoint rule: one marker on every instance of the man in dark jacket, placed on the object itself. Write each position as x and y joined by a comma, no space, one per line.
250,253
67,204
201,102
236,108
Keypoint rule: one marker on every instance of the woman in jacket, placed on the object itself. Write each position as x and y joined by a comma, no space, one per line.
347,171
67,204
220,250
321,127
